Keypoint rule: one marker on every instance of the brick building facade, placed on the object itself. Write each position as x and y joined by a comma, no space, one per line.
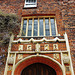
46,36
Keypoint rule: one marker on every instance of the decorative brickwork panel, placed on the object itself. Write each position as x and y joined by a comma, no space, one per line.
43,47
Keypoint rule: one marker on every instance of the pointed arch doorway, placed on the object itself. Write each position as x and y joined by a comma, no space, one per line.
38,69
51,64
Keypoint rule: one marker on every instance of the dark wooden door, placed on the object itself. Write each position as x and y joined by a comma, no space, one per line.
38,69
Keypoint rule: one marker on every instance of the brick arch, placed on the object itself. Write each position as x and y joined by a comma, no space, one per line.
37,59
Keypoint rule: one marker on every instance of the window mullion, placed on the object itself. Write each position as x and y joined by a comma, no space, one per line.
32,26
56,27
21,26
50,27
38,26
44,25
27,27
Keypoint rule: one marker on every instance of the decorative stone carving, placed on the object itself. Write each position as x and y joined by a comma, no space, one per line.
29,47
66,60
37,47
56,56
20,56
55,46
9,68
20,47
11,59
46,47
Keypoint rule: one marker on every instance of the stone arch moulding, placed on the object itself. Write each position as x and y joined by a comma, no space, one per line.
38,59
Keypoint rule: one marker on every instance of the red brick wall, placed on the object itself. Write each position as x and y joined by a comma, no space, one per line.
63,11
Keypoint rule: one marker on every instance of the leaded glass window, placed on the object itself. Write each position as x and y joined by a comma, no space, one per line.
53,26
35,27
24,27
47,28
30,27
39,26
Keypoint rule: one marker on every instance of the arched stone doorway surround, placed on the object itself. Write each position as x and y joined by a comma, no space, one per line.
38,59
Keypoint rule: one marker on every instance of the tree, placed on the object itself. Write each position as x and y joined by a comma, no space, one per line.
9,23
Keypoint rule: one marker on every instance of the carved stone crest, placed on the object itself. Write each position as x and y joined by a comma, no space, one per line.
29,47
20,56
20,47
56,56
46,47
55,46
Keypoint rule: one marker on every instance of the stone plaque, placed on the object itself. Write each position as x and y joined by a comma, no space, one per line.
55,46
46,47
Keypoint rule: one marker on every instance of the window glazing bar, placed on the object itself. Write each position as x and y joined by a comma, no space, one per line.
21,27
